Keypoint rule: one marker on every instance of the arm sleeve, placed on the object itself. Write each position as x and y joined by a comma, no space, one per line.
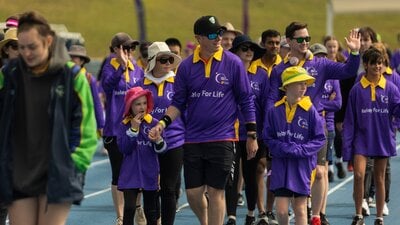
349,128
335,104
110,77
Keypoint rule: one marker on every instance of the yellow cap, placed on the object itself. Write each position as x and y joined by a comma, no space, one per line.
295,74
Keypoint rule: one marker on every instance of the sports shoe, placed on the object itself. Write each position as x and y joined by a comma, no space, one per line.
140,218
231,221
331,176
378,222
341,173
271,218
240,201
350,167
262,219
119,221
250,220
358,220
385,210
324,220
371,202
365,207
315,221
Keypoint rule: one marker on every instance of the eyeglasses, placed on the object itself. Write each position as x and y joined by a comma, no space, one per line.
164,60
129,47
245,48
302,39
215,35
13,45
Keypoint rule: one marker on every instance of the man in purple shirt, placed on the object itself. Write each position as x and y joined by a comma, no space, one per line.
210,86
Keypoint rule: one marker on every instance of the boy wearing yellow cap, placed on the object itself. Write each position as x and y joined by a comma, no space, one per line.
294,134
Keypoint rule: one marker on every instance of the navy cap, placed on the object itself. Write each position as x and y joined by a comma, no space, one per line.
207,25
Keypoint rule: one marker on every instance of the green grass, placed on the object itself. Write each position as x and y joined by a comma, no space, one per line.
99,20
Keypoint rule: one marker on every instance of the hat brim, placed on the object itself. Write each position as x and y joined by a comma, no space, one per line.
131,43
300,78
258,53
85,57
152,62
129,101
5,41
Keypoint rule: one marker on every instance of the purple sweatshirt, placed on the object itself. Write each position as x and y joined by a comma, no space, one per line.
395,60
115,85
98,107
368,127
331,106
140,167
259,84
321,69
210,93
162,96
294,140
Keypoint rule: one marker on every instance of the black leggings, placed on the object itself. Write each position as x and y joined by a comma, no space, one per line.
231,188
170,173
115,156
150,206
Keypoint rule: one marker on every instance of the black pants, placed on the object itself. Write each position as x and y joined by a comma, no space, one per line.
150,205
170,173
3,215
231,188
110,143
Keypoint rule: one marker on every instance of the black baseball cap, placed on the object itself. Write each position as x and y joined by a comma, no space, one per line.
207,25
123,39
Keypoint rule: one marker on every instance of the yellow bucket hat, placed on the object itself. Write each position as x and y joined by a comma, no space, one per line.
295,74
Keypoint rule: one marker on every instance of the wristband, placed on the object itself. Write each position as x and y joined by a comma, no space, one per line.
167,120
133,130
251,127
162,123
355,52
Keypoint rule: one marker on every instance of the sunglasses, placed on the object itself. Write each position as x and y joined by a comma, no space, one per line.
129,47
164,60
245,48
13,45
302,39
215,35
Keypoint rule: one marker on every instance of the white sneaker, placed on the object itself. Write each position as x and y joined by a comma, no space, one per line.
365,208
118,221
385,210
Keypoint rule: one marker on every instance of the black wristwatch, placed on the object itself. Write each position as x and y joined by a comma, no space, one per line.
252,135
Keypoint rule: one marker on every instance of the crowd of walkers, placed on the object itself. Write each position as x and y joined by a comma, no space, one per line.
273,117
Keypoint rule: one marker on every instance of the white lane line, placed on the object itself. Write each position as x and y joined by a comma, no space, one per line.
341,184
97,193
184,205
97,163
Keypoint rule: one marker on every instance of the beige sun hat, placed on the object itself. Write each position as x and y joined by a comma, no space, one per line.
160,48
230,28
10,35
80,51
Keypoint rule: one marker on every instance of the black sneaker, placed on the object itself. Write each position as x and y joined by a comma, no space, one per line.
262,219
231,221
324,220
331,176
250,220
358,220
341,173
378,222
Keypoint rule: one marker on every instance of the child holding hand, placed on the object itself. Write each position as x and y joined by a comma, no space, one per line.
294,133
140,167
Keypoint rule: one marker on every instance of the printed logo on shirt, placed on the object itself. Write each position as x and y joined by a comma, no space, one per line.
303,123
120,92
170,94
255,85
312,71
221,78
328,87
207,94
289,133
158,110
384,99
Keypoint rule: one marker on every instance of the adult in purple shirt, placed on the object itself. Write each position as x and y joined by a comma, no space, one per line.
210,86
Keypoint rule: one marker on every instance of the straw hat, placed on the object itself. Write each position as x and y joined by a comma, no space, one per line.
10,35
80,51
230,28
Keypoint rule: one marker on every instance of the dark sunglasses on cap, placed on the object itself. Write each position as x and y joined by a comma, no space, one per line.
215,35
164,60
302,39
245,48
129,47
13,45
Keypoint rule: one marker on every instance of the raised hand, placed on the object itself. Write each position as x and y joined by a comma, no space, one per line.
353,41
122,56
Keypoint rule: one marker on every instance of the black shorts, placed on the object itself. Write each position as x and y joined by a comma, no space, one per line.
208,164
284,192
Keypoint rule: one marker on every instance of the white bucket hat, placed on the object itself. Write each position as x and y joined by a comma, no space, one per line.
160,48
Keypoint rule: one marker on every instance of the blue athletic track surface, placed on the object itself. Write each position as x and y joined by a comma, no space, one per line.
97,207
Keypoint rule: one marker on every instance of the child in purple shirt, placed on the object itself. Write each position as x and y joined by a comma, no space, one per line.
368,129
294,133
140,167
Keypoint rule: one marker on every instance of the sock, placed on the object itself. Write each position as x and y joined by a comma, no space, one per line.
339,160
379,218
330,168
